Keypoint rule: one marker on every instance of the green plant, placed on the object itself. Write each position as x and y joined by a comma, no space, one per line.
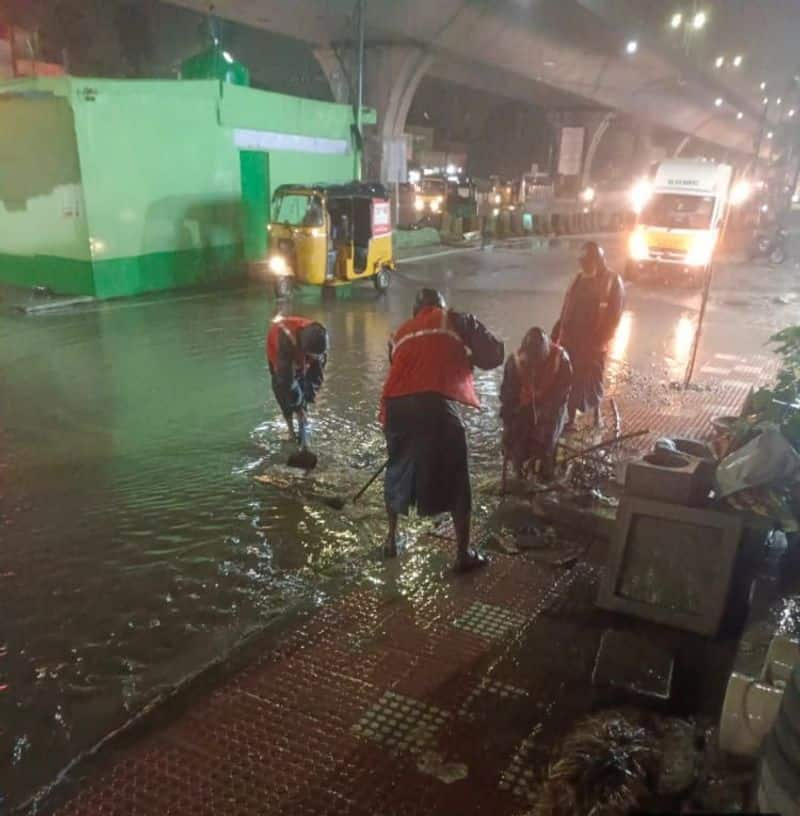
781,403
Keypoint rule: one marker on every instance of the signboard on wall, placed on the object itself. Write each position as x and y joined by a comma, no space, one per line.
381,217
570,154
265,140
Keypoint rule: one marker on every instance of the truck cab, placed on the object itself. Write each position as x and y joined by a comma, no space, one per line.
681,211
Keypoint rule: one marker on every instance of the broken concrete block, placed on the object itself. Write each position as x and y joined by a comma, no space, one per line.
748,712
670,564
628,662
670,477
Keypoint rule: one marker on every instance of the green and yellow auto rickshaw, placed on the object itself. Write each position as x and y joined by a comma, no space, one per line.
329,235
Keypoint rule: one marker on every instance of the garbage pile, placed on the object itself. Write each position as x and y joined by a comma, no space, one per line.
605,767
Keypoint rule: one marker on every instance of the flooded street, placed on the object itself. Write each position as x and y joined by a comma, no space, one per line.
135,543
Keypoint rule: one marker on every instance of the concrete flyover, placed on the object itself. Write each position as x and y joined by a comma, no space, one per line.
569,51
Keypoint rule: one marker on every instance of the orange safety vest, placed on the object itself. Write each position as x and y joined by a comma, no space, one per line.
428,354
288,326
530,390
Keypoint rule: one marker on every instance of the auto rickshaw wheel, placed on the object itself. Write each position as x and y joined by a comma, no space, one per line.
282,287
382,279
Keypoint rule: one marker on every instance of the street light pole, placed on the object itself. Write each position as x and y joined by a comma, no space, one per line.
359,158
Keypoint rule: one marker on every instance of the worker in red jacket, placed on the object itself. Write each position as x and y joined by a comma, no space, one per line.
432,357
533,404
297,351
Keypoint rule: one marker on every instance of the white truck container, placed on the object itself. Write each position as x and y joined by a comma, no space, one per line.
681,213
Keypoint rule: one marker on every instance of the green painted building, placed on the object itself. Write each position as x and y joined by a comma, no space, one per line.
116,187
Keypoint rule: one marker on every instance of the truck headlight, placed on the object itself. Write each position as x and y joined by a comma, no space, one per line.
278,266
640,194
419,204
701,249
637,245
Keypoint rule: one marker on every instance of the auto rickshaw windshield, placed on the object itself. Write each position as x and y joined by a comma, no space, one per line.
298,210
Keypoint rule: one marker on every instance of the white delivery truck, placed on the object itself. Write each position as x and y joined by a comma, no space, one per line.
681,211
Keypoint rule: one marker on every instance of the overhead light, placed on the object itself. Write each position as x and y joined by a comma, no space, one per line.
719,62
737,60
765,100
739,115
770,134
699,20
676,20
718,102
791,112
763,86
632,47
779,101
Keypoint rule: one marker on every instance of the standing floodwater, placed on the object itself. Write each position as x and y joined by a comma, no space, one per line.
136,544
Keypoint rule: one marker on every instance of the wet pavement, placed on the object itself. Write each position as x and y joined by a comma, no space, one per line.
136,544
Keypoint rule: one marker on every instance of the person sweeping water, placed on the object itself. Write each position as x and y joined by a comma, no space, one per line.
297,352
432,357
533,404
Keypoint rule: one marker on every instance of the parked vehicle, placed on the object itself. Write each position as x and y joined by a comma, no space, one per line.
329,235
770,245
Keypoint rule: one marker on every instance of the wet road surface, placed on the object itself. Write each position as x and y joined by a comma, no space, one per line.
136,544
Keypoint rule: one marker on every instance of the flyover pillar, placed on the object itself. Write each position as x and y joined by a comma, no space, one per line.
392,74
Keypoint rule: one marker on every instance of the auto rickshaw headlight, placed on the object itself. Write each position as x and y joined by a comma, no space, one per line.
278,266
419,204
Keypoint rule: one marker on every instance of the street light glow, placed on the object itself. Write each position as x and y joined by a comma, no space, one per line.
778,101
740,115
765,100
718,102
632,47
737,60
763,86
791,112
770,134
699,20
676,20
719,62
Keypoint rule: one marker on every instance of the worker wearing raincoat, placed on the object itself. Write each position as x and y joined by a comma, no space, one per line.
589,317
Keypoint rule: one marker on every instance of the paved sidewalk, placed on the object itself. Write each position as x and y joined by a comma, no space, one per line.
370,704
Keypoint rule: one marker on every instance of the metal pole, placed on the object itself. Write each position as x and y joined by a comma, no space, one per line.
706,290
699,330
360,101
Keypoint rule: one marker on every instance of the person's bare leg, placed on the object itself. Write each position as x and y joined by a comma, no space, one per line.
461,523
390,545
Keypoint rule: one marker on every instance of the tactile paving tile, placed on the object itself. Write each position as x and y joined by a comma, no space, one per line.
519,777
490,621
488,685
401,724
